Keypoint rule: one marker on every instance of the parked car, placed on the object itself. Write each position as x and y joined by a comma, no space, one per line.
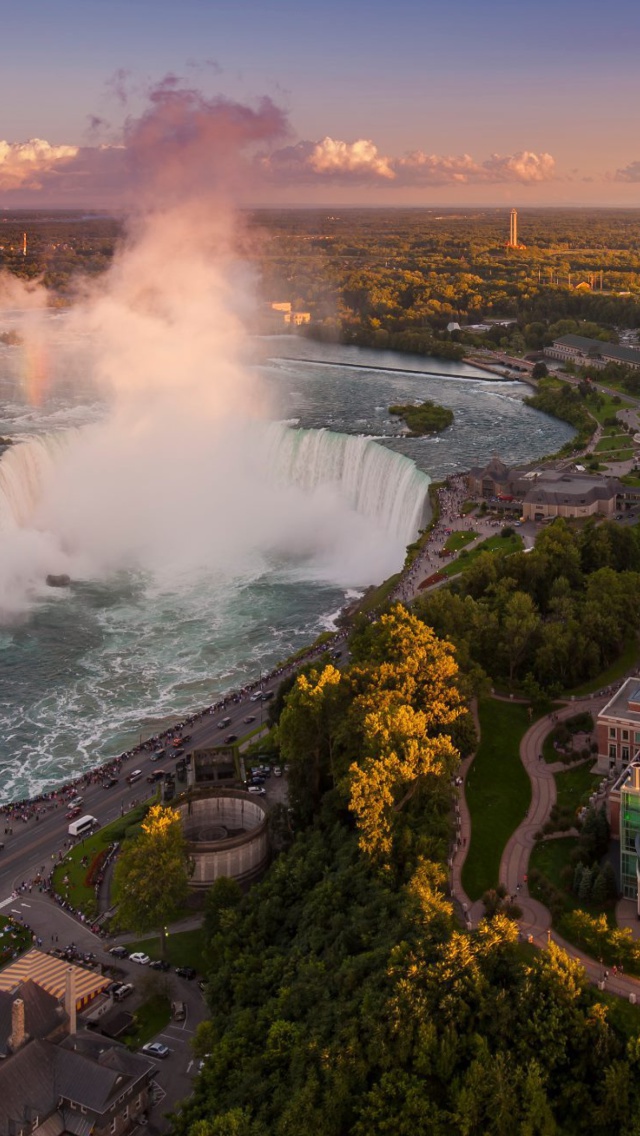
156,1049
159,964
119,952
140,957
179,1011
257,789
185,972
123,991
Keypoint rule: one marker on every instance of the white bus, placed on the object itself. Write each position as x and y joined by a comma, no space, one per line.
82,825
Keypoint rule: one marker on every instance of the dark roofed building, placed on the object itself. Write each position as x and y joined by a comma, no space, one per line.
40,1016
490,480
86,1085
594,353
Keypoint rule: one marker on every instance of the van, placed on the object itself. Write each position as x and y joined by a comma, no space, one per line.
179,1011
123,992
82,825
224,723
134,776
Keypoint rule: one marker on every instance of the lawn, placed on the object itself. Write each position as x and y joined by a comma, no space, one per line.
503,545
550,857
377,597
617,442
617,456
627,661
497,790
80,894
148,1020
576,786
14,939
608,409
185,948
457,540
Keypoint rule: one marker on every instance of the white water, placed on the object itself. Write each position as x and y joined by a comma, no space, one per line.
379,484
342,508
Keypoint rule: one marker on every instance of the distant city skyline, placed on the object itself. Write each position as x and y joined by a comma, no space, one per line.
415,103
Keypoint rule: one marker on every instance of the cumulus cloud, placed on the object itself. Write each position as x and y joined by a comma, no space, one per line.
26,163
184,136
628,173
361,162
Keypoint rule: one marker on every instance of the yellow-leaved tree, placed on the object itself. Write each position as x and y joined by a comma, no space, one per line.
151,876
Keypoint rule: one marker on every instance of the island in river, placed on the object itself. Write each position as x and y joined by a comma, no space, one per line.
423,418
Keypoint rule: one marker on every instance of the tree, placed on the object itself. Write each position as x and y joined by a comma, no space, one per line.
152,874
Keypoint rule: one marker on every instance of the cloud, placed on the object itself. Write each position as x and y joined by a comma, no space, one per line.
629,173
185,144
25,164
360,162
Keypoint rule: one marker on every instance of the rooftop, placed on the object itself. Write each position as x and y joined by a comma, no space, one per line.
618,706
51,973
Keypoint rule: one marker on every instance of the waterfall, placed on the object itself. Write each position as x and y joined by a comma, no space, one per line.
377,482
25,469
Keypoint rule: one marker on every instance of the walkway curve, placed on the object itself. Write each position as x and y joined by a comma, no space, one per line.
536,919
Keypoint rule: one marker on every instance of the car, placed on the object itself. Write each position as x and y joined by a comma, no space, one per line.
267,695
178,751
140,958
223,723
256,697
109,782
123,991
249,718
178,1011
159,964
231,738
157,755
73,813
156,1049
157,775
277,771
119,952
257,789
185,972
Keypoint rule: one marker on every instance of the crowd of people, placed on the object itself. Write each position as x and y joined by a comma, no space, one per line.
425,567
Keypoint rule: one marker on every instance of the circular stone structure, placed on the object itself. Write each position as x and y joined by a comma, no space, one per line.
226,834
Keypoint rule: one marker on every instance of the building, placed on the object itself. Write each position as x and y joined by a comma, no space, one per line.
618,728
84,1086
540,494
591,352
624,818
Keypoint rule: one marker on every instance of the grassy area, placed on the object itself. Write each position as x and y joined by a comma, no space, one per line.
626,662
14,939
502,545
612,442
468,507
552,858
622,1014
185,948
378,597
149,1019
576,786
617,456
498,792
457,540
69,877
608,408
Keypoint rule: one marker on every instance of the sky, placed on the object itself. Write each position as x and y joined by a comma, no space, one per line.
416,102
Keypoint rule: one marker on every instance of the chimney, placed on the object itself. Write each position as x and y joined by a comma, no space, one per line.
18,1032
70,999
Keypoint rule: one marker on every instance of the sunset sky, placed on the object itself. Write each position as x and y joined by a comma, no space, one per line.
415,102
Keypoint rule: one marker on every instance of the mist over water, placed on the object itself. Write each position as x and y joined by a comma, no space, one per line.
204,540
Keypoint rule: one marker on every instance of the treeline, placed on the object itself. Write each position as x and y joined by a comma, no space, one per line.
345,999
548,619
569,403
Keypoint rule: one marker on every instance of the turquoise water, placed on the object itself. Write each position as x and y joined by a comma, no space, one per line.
85,671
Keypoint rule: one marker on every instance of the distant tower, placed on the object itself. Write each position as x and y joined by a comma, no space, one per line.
513,229
24,244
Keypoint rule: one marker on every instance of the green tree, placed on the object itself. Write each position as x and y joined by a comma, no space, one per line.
152,874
